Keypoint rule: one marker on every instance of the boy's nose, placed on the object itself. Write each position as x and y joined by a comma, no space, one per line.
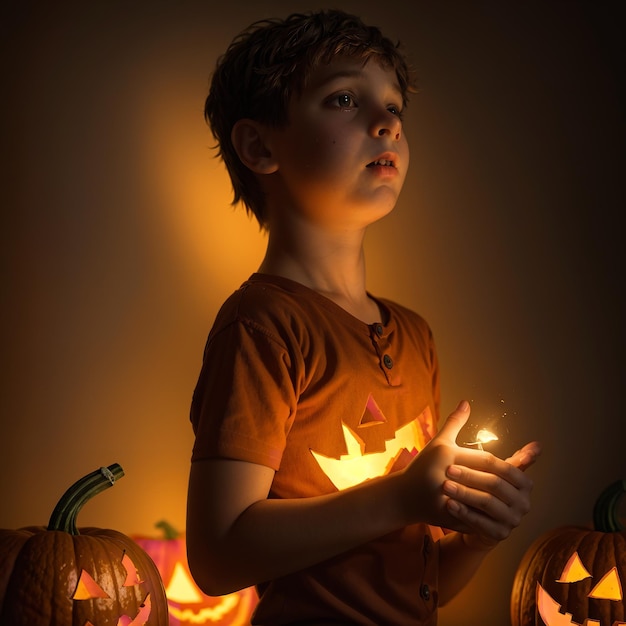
388,124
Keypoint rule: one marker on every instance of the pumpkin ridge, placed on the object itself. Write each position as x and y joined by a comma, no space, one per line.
520,586
11,544
31,596
589,553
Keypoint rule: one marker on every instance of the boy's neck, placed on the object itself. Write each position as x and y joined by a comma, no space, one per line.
331,265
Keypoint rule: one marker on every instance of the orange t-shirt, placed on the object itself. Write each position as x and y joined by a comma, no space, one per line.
292,381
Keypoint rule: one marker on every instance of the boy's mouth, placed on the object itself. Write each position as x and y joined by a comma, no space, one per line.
384,162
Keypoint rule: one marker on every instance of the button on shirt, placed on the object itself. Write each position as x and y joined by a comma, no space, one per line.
382,340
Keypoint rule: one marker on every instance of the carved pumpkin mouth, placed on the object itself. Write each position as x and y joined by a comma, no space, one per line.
550,611
140,619
142,616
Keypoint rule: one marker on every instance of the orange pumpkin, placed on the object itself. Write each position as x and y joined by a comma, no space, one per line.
575,576
187,604
87,577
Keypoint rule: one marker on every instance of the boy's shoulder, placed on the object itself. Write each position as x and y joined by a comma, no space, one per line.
267,300
275,300
267,291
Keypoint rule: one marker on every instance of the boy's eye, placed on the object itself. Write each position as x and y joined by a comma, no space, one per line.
394,110
344,101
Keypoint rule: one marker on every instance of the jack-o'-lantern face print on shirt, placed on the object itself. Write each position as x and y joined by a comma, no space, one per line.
372,450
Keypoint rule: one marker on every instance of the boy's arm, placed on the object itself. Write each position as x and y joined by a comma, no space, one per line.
237,537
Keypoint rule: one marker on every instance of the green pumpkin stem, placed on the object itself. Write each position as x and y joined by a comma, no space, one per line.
605,511
72,501
169,532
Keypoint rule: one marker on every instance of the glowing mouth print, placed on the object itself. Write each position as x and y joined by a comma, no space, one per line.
357,466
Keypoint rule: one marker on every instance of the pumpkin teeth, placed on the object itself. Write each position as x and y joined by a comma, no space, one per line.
550,611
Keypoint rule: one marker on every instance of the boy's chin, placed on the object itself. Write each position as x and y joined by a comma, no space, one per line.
384,203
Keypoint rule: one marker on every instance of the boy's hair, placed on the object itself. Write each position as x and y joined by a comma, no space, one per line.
271,61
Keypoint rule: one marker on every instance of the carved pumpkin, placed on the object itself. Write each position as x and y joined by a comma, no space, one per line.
92,577
187,604
575,576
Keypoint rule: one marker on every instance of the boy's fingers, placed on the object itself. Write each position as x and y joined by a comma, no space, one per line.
452,426
526,456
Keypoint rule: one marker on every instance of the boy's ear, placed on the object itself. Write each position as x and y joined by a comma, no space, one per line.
249,141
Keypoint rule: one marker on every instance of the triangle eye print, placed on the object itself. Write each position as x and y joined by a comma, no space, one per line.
357,466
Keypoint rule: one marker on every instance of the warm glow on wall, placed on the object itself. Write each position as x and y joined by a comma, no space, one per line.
216,242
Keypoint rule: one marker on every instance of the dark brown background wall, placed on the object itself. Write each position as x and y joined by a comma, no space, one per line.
118,244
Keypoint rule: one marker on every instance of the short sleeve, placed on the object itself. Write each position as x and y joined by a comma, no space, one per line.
245,399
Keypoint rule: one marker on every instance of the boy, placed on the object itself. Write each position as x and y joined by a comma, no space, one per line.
317,473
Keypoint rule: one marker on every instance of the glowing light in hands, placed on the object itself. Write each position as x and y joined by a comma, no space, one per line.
483,436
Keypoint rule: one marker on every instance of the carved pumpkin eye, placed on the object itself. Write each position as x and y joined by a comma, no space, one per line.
574,570
608,588
132,575
88,589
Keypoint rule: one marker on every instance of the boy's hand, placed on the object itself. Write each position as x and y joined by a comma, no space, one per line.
470,491
490,496
422,497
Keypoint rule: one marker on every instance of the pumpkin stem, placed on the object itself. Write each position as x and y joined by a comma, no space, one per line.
72,501
169,532
605,512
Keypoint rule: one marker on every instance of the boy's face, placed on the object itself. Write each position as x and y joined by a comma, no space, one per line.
342,157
